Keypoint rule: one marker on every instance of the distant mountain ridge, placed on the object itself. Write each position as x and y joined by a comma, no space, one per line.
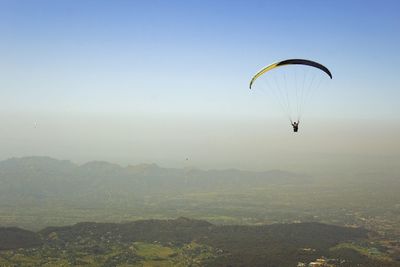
52,163
42,177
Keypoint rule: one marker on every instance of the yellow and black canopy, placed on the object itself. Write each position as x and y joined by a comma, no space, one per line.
291,62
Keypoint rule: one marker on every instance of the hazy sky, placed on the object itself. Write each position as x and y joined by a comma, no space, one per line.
159,81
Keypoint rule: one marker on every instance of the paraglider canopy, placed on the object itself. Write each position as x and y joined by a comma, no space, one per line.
291,62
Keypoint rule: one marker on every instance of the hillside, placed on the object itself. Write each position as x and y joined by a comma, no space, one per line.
13,238
173,242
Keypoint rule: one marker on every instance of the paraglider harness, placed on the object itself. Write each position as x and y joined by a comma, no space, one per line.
295,126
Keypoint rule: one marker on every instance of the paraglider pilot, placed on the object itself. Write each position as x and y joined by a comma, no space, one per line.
295,126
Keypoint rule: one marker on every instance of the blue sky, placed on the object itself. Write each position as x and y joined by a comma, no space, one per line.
194,51
183,59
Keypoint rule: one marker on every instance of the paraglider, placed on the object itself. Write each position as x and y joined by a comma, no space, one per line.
292,84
